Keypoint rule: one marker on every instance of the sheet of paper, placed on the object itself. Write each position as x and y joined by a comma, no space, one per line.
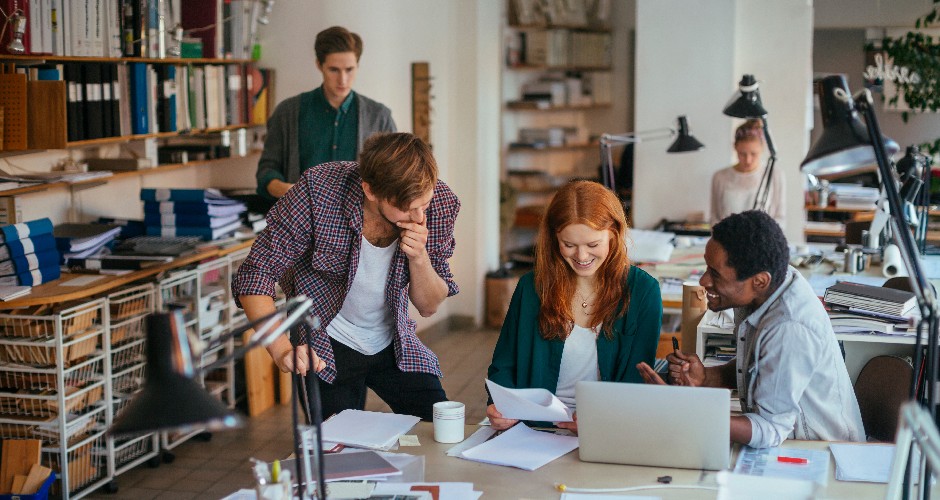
82,280
593,496
478,437
367,429
870,463
455,491
764,462
243,494
650,246
523,448
528,404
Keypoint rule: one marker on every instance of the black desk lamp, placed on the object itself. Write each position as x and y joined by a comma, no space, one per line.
746,103
684,143
172,400
847,146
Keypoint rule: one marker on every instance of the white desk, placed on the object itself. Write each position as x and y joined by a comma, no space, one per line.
506,482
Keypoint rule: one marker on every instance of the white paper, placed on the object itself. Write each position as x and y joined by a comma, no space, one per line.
594,496
869,463
528,404
763,462
523,448
478,437
450,491
367,429
649,246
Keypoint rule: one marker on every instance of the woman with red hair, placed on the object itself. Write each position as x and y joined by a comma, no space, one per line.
584,313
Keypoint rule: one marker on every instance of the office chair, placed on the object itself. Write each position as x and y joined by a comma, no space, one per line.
881,388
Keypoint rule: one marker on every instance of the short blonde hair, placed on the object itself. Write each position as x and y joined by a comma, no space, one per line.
399,167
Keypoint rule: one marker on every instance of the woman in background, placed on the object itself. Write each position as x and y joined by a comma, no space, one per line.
734,188
584,313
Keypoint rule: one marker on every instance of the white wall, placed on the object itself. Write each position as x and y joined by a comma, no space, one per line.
690,56
865,13
684,66
774,42
461,41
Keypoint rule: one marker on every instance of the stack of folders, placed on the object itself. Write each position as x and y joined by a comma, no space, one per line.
858,308
28,254
205,213
77,241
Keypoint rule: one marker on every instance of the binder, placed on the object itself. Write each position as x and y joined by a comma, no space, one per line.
140,115
33,261
188,220
209,195
75,108
24,246
93,107
27,229
166,97
130,28
202,232
192,207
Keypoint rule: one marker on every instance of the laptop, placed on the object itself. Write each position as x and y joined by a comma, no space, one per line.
654,425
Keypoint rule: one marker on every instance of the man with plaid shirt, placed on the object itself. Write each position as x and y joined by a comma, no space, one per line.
362,240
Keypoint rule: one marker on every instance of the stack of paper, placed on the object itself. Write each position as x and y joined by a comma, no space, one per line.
789,463
869,463
521,447
367,429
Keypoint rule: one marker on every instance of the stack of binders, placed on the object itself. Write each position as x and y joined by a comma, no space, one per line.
859,308
205,213
28,254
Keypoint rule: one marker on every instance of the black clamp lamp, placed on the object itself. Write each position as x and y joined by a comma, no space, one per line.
171,399
746,103
684,143
847,146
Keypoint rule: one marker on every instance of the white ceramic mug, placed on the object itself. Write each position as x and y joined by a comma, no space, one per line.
448,421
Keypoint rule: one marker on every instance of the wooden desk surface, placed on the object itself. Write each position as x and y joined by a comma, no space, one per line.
54,291
507,482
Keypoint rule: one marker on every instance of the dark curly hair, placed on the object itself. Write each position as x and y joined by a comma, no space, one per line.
754,243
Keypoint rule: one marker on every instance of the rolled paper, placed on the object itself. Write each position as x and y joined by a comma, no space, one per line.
891,264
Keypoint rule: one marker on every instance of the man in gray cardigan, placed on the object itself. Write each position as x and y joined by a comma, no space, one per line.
328,123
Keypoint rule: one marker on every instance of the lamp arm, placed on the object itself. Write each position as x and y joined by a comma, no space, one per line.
267,330
763,190
608,140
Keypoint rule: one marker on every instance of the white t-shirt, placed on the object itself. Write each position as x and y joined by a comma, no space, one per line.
364,323
578,362
733,192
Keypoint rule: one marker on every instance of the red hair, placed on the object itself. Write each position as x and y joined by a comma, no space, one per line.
591,204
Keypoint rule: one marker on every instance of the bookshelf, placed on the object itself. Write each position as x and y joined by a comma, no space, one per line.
557,94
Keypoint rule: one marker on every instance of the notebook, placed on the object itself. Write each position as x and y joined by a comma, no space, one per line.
654,425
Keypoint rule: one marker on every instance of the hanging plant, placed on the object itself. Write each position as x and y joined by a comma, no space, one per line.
919,55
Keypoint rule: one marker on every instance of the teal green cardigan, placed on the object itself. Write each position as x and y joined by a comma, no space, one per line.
523,359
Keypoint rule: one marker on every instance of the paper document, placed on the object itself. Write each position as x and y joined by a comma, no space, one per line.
869,463
450,491
367,429
479,437
650,246
523,448
789,463
528,404
593,496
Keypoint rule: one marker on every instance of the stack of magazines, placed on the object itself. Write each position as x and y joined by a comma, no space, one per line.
858,308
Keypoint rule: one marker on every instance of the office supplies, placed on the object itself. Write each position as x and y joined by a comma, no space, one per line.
158,245
358,464
367,429
671,436
675,344
790,463
528,404
522,447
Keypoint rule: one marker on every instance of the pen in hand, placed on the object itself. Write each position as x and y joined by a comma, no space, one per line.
675,344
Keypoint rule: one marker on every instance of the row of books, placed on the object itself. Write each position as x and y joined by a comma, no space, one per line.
28,254
132,28
560,47
112,99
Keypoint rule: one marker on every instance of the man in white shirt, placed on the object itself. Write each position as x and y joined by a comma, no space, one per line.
789,370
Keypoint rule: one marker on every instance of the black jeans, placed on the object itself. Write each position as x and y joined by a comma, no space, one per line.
408,393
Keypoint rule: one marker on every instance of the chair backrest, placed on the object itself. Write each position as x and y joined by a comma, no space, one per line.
882,387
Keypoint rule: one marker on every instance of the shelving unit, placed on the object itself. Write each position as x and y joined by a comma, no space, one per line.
547,83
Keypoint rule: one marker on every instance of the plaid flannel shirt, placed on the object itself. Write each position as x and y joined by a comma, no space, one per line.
311,246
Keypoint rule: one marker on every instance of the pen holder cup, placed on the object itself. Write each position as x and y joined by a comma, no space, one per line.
448,421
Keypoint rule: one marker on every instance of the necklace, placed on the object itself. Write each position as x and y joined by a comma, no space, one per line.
584,301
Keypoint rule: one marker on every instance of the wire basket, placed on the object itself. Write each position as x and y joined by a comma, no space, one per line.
42,322
43,352
85,464
128,354
24,378
131,302
128,380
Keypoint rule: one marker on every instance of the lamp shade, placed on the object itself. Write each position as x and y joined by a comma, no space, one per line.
746,103
844,146
171,399
684,142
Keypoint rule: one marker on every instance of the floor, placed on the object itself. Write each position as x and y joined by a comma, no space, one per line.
213,469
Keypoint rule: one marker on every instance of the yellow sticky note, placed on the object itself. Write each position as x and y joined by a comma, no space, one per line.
408,440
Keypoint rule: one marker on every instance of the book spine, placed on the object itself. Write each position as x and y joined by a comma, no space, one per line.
26,229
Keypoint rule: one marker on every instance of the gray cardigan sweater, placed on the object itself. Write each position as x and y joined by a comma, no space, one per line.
282,148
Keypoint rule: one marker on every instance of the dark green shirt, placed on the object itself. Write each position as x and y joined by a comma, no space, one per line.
326,133
523,359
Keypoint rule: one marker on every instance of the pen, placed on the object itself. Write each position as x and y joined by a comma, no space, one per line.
792,460
675,344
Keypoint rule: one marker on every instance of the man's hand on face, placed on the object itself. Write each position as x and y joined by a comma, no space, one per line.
413,239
